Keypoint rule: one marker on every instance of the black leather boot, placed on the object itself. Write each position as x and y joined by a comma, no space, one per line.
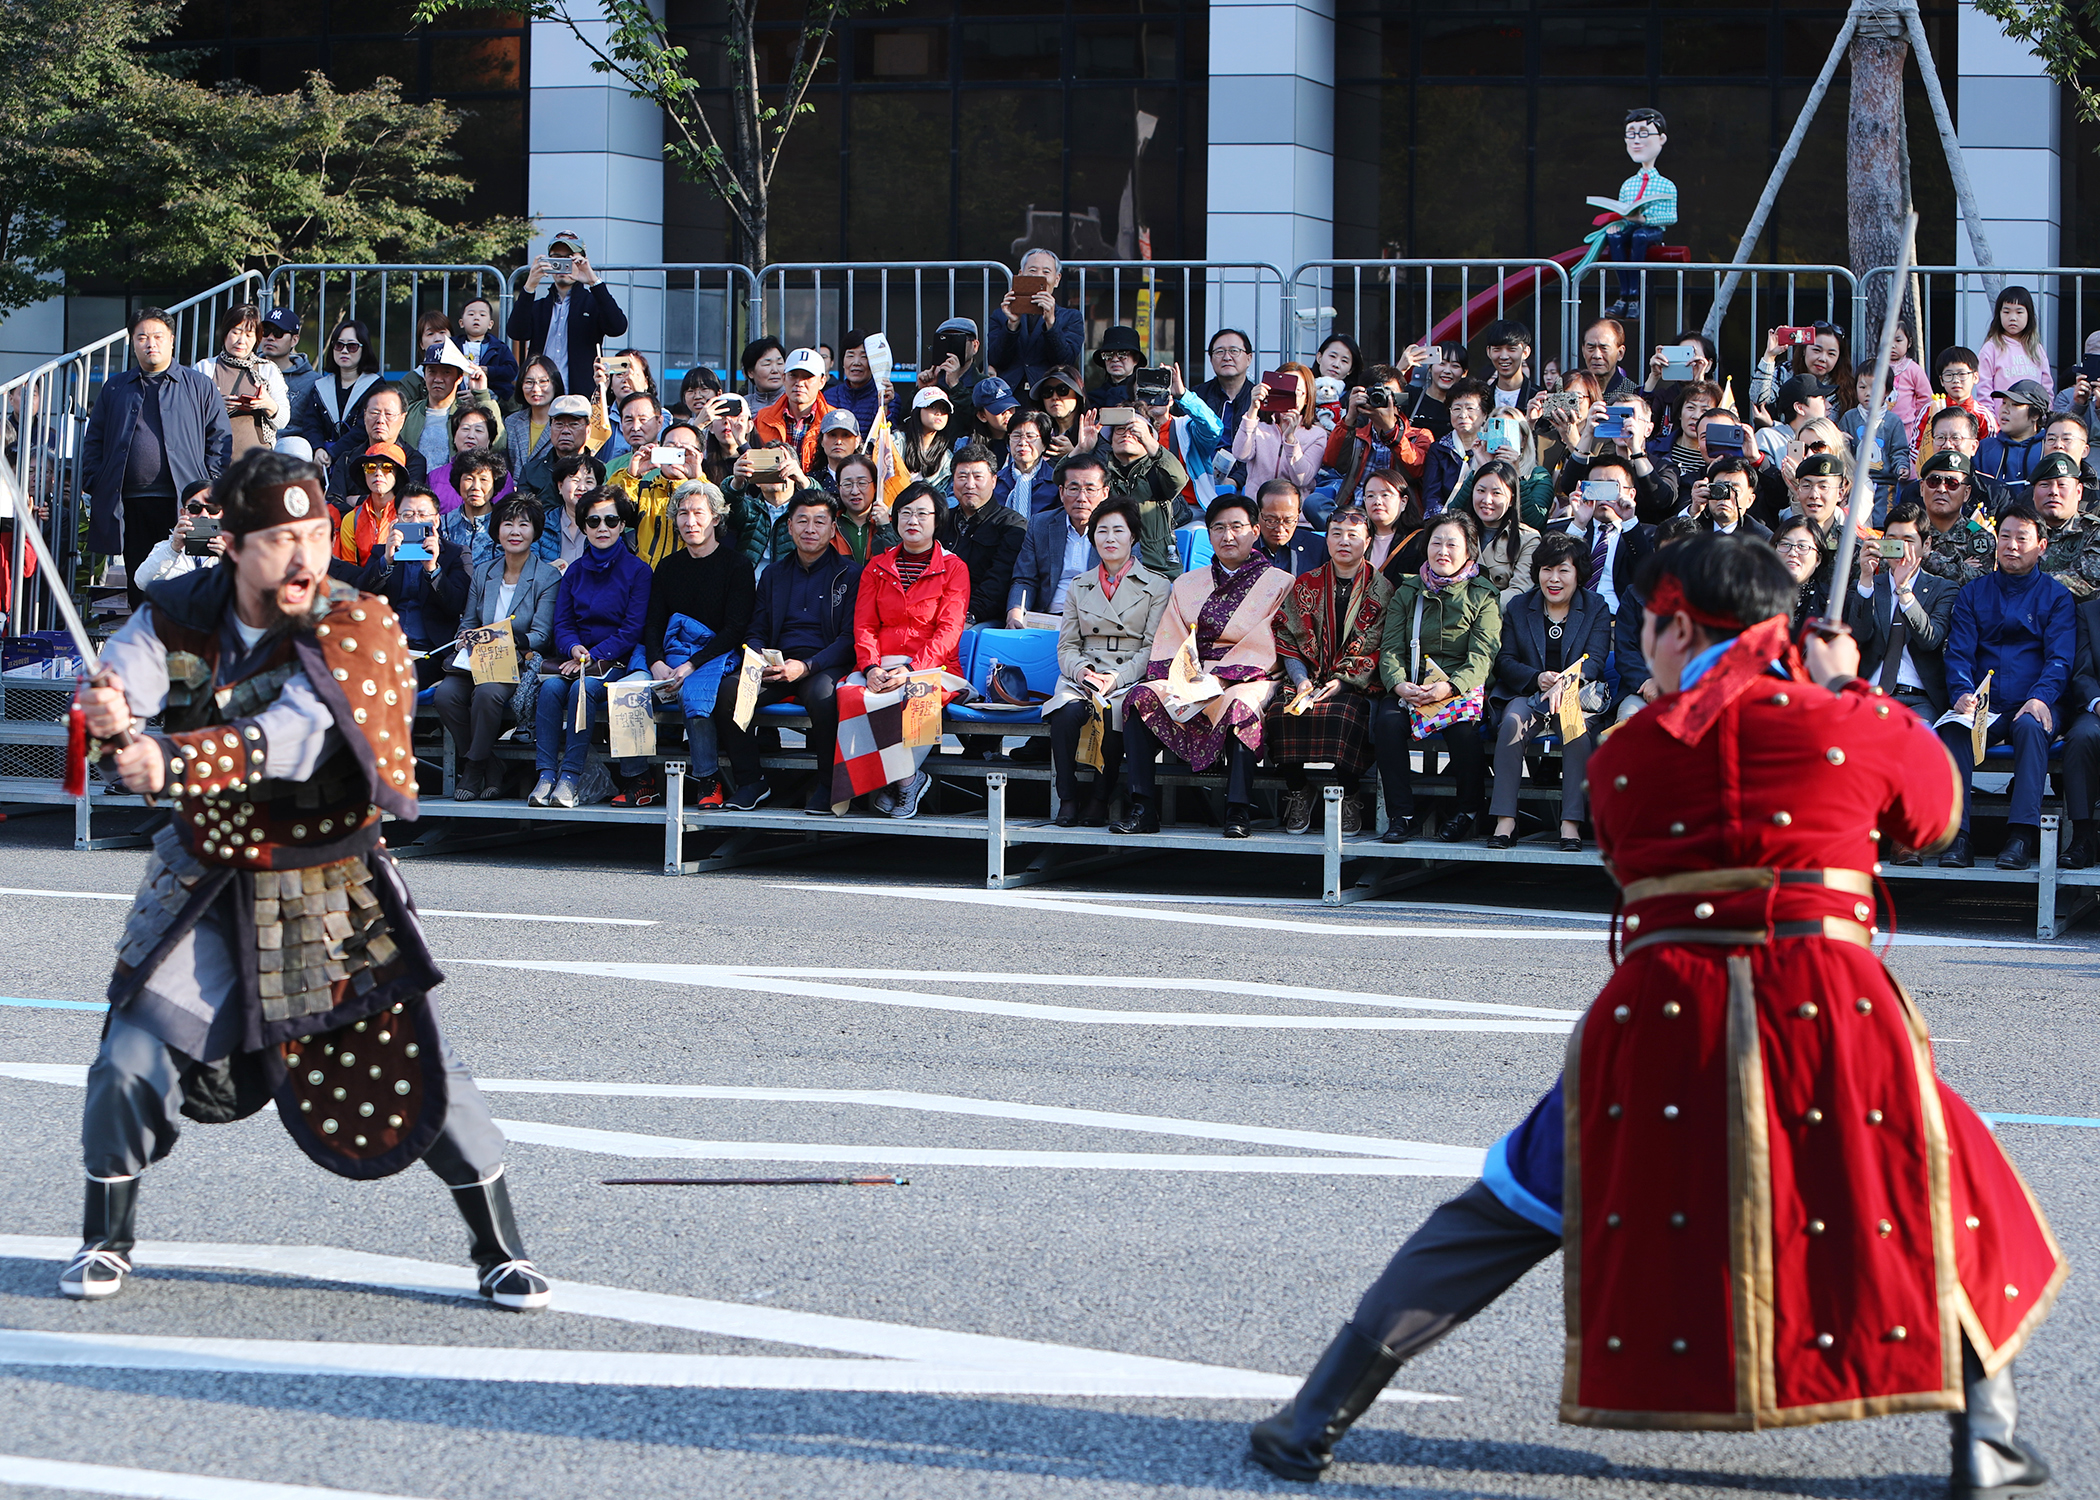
1988,1458
508,1279
99,1267
1298,1442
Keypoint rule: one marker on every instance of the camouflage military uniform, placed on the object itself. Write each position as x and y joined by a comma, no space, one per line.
1968,551
2073,555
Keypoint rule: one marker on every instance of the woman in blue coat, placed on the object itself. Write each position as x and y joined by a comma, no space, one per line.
599,612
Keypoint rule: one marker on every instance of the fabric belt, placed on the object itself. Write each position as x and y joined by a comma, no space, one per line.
1760,878
1839,928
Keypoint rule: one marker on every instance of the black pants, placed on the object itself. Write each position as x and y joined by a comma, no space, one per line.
2081,772
1392,730
1066,722
1465,1255
817,692
473,715
1143,745
148,521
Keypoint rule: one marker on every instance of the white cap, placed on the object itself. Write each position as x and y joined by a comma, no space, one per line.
931,395
805,361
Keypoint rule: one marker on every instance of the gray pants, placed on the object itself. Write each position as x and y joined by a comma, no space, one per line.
134,1097
1522,719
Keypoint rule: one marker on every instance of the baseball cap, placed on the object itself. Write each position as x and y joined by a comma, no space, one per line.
931,395
567,240
806,362
838,419
281,320
390,452
2026,393
2053,466
1800,388
1055,378
993,395
959,325
569,406
1946,461
444,352
1820,466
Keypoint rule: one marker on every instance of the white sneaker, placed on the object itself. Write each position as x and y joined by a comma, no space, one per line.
541,792
564,793
883,800
906,804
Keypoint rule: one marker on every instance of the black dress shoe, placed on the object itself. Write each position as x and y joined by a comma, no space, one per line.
1571,846
1400,831
1239,821
1958,856
1500,840
1142,817
1458,830
2014,855
2083,853
1908,858
1067,813
1095,815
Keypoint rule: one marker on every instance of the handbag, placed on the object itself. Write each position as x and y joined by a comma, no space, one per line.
1464,708
1008,684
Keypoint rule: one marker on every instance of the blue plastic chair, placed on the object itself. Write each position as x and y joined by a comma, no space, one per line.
1033,651
1193,543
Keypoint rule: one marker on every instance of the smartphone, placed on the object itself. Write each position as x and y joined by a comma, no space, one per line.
620,364
1025,288
1500,432
1888,547
662,454
774,658
1794,337
767,461
2089,367
1677,361
945,344
725,406
413,535
1724,437
1601,491
203,531
1613,427
1117,416
561,265
1154,385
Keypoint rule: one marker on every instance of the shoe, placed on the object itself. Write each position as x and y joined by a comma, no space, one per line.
1298,1442
1067,813
818,803
1239,821
882,799
1457,831
507,1278
1958,856
564,792
1501,840
906,802
745,797
2083,853
1571,846
2014,855
472,785
542,791
1297,810
1909,858
709,793
99,1266
1141,817
1401,830
1095,814
648,791
1352,816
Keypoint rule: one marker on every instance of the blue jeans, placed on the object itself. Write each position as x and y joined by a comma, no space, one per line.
558,746
702,758
1631,244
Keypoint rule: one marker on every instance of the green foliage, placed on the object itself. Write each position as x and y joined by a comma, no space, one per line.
2061,35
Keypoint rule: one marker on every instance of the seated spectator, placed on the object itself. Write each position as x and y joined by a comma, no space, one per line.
1956,367
566,315
1820,483
839,438
759,499
563,541
1111,614
923,441
1190,431
626,372
1027,482
1506,543
1551,630
2081,765
1900,615
1395,515
1800,547
333,409
513,585
1654,487
764,363
385,411
2019,625
1957,546
1510,384
1889,457
654,487
2068,434
1373,436
1534,480
1285,540
1152,479
489,354
1339,358
1448,615
432,326
993,410
171,557
1954,430
797,417
1030,336
1280,445
1687,453
599,614
804,609
1056,549
1637,685
955,374
865,524
1327,634
1721,500
908,618
986,535
568,427
2076,397
529,433
696,390
2070,536
641,419
2008,454
426,426
1062,399
250,384
855,389
1231,607
472,432
427,595
2012,350
1603,355
1822,361
480,486
1454,456
1605,524
365,526
1115,362
704,584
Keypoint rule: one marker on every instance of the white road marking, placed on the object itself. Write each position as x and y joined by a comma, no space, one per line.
1312,903
22,890
1024,1365
156,1484
424,911
728,977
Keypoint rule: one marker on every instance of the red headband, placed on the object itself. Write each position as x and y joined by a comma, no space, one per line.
1668,599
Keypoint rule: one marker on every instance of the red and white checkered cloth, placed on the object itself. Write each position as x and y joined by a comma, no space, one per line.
871,748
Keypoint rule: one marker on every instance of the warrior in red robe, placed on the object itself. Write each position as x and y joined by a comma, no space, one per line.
1773,1212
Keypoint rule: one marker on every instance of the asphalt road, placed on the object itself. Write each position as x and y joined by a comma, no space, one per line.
1130,1222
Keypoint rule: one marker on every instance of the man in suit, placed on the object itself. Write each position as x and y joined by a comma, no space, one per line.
1056,550
1292,546
1605,524
567,315
1721,501
2082,742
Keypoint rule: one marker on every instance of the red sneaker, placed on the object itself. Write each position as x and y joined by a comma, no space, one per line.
711,796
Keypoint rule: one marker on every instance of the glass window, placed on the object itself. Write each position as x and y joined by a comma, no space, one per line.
899,176
1717,48
473,64
917,55
1029,51
358,63
1012,164
1460,46
804,209
1594,46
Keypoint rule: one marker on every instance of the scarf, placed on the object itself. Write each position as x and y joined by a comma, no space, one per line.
1436,583
265,427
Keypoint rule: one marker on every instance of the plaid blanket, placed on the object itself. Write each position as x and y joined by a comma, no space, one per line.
871,748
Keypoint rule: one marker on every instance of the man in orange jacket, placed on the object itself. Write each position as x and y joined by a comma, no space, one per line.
797,418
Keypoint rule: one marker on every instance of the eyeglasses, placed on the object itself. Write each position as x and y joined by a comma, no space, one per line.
921,516
1815,447
1642,133
1231,528
380,466
1796,549
1229,349
601,523
199,508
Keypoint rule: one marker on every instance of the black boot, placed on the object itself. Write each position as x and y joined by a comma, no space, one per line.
508,1279
103,1261
1298,1442
1988,1458
1142,817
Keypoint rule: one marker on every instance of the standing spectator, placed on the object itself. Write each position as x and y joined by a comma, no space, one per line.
804,609
599,612
1910,391
1227,392
1551,630
383,477
1957,370
278,339
951,367
1111,614
1062,399
705,581
1664,395
1025,482
448,376
1889,457
696,390
385,411
1509,357
1327,632
2012,350
994,408
170,557
1603,350
332,412
1440,368
1286,444
566,315
568,423
1032,336
2075,396
1823,361
516,586
764,363
252,387
492,356
856,390
527,434
1056,549
985,534
797,418
2019,625
1285,540
155,430
2009,454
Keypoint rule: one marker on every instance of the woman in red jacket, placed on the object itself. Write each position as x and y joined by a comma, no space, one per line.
908,618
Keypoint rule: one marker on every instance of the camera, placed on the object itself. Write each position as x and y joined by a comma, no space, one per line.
562,265
1153,385
1378,397
413,535
204,530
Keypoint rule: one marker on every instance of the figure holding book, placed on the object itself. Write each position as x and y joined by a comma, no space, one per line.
1646,205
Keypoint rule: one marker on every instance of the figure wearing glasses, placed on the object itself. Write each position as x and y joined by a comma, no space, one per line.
1647,199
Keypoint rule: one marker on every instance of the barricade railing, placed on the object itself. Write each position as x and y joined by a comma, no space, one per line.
1959,303
1677,296
390,299
1177,305
1386,305
679,313
805,304
46,411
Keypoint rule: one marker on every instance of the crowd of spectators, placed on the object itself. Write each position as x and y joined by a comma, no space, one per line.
1356,561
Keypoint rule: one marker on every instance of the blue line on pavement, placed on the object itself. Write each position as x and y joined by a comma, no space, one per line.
54,1004
2042,1120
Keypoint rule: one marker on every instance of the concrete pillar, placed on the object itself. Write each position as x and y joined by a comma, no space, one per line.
2007,117
596,170
1271,165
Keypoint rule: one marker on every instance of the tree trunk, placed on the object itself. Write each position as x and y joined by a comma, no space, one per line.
1875,202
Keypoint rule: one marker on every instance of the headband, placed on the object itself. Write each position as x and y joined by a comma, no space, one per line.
300,500
1668,599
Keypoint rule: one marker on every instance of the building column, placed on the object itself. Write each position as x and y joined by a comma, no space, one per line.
596,170
2007,119
1271,165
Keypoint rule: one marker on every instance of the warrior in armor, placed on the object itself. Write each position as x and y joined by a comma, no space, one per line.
273,953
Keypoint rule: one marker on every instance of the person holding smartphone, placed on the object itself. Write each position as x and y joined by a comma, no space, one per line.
252,386
1030,334
428,591
567,312
173,555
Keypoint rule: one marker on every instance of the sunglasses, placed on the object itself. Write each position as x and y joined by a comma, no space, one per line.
601,523
378,466
199,508
348,346
1944,481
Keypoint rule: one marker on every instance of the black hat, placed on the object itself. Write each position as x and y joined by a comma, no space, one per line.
1946,461
2053,466
281,319
1121,339
1057,377
2026,393
1800,388
1820,466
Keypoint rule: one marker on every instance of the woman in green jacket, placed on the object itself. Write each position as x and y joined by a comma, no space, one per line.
1443,626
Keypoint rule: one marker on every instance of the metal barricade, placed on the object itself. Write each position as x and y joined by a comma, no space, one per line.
1960,301
679,314
1386,305
46,410
808,304
1176,305
1678,296
390,299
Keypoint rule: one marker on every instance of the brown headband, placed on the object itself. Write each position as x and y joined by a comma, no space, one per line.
301,500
